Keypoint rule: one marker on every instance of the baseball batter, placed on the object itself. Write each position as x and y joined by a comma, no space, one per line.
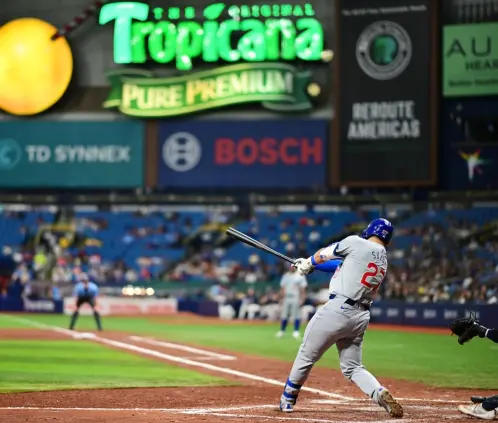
292,291
344,319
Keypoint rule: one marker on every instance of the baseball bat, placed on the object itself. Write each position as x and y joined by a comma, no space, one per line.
246,239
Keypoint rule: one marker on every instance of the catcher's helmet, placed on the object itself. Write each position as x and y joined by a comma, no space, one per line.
381,228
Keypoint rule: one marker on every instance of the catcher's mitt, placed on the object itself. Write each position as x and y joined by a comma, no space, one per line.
465,328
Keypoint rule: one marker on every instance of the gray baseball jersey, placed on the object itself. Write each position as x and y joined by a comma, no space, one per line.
341,321
362,271
292,283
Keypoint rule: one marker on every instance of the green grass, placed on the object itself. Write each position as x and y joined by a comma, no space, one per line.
432,359
49,365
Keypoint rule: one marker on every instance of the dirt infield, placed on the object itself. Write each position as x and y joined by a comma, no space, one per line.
332,399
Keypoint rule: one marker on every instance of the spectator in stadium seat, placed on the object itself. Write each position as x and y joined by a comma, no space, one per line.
248,300
252,275
22,274
131,276
128,238
39,262
270,306
55,292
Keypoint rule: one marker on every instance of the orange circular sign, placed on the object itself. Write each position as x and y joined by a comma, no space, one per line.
35,70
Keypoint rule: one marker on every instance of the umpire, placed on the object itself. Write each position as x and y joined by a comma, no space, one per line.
85,292
466,329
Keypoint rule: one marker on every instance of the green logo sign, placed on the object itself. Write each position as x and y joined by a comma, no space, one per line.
470,61
10,154
384,50
233,34
277,86
71,154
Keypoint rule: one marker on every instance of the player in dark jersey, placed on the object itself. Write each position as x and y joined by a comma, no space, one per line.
85,292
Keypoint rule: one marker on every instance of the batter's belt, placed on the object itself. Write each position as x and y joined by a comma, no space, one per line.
351,302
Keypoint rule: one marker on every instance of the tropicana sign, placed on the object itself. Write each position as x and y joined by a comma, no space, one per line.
254,40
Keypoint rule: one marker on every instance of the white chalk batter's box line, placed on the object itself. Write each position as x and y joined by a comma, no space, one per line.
209,355
228,412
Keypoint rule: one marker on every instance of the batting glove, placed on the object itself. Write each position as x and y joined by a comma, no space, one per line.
304,266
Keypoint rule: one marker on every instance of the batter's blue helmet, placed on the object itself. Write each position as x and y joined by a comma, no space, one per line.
381,228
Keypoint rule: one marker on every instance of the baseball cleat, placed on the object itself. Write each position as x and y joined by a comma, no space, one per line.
387,401
279,334
296,334
477,400
477,411
288,399
285,407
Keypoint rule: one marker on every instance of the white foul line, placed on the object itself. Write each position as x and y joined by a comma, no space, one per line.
167,357
163,410
89,409
205,358
182,348
301,419
217,410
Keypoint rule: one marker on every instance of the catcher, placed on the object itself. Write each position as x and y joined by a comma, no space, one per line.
467,328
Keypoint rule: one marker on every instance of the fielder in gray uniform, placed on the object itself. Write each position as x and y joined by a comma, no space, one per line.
292,292
344,319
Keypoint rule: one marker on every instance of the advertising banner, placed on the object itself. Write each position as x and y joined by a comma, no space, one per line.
470,60
43,306
432,314
18,304
471,168
384,125
40,65
231,154
468,144
276,86
223,54
71,154
119,306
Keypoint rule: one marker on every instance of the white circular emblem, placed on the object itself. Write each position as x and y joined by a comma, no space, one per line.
182,151
10,154
384,50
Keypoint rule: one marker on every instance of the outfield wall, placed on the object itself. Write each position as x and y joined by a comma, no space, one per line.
33,306
126,306
430,314
383,312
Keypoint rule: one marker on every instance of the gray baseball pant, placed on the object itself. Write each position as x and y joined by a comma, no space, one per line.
343,325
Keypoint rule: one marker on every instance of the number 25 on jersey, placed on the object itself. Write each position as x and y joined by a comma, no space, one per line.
374,271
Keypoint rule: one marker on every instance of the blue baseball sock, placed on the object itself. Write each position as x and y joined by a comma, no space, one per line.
291,392
297,324
283,325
